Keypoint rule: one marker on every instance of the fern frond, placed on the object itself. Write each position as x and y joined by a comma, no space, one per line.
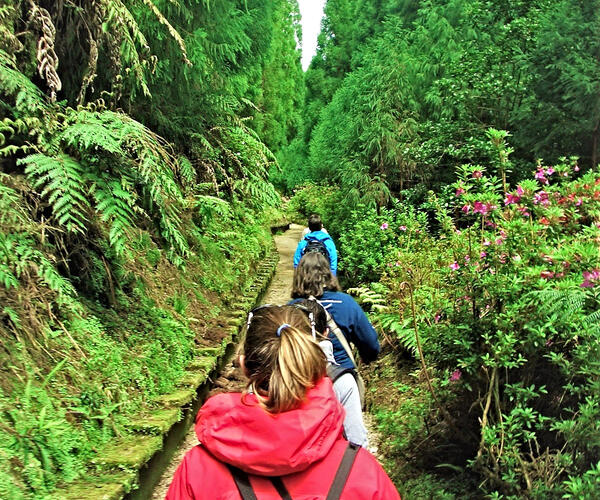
7,278
115,206
392,322
186,170
172,31
62,181
28,98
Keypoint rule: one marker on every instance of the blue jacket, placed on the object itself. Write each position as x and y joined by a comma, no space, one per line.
354,324
329,244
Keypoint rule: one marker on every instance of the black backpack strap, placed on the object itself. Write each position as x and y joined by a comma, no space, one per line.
341,476
242,482
280,487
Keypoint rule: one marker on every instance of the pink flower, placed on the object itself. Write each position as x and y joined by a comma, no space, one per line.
436,318
459,191
477,174
466,208
549,171
547,275
523,211
576,168
397,263
541,198
480,208
467,258
539,175
520,191
456,374
482,255
578,202
486,243
511,198
402,228
454,266
590,278
499,241
384,226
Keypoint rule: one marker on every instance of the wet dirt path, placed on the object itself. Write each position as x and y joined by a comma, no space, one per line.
231,379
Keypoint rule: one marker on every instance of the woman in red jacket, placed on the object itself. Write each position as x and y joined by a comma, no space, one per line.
282,437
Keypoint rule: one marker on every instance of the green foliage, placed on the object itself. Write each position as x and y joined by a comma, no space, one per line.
506,306
154,158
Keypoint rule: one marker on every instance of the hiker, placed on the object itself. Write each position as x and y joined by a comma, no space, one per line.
319,241
314,220
282,437
344,383
313,278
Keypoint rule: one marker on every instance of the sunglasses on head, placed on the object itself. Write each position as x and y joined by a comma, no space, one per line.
309,313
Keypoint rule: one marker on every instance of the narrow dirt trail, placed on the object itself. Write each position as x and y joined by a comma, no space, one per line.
279,292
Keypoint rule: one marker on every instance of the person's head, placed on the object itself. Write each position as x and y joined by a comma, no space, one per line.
313,276
318,313
314,223
281,359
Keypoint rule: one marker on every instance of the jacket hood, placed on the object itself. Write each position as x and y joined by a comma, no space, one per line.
317,235
242,434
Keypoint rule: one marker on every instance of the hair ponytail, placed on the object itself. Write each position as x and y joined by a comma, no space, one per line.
281,368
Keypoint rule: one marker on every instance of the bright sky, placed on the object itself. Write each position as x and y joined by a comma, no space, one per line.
311,12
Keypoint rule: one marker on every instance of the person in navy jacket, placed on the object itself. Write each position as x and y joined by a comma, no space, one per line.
313,277
317,233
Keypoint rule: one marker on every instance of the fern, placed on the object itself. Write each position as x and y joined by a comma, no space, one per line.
7,278
186,171
392,322
137,153
115,205
377,301
62,181
27,97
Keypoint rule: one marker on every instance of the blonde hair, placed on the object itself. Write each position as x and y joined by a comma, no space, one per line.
313,276
282,359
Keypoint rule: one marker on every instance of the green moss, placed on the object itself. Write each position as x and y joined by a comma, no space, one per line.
176,399
130,451
105,487
193,379
157,422
204,363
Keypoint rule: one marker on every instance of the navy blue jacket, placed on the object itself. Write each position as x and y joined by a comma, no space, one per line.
354,324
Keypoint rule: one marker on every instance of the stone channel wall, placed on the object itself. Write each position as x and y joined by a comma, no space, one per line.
131,465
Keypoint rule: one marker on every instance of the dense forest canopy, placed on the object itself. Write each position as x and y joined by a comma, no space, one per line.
405,91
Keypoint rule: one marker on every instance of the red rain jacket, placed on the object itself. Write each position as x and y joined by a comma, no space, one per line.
304,445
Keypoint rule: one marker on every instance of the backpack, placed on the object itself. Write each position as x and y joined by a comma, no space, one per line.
242,481
314,245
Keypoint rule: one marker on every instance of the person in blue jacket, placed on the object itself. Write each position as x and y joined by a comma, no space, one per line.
317,240
313,278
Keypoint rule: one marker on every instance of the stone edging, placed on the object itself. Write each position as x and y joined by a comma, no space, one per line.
132,464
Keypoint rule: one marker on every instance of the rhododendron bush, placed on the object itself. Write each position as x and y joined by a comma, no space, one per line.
508,311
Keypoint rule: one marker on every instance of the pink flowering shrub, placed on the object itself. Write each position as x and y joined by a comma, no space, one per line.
508,299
